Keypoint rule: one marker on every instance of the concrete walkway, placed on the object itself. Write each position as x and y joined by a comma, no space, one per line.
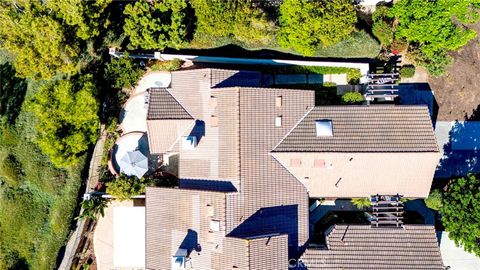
456,257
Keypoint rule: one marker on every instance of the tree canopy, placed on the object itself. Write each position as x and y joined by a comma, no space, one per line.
124,187
67,119
243,21
83,15
157,24
306,25
122,72
461,212
35,41
430,28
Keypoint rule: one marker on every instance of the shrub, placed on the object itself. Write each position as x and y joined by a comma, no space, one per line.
91,208
11,170
407,71
461,212
361,203
123,72
352,98
353,76
171,65
67,119
382,26
112,134
306,25
358,44
124,187
231,21
434,200
157,24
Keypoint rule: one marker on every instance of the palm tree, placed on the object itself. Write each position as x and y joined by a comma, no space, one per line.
361,203
91,208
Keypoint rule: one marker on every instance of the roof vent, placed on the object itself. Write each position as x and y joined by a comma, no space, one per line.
324,128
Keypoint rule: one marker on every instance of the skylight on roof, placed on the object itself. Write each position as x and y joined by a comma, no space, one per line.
324,128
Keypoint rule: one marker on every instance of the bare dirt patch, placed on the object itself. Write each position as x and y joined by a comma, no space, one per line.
458,91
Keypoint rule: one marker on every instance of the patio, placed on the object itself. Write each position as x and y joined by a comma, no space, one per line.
131,156
133,116
119,238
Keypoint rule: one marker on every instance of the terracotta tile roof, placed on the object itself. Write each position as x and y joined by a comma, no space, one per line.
268,253
163,106
177,218
375,128
363,247
270,198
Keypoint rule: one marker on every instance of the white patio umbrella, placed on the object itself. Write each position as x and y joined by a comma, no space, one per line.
134,163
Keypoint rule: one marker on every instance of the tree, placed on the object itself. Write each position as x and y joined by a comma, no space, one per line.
125,187
430,27
67,119
157,24
242,21
461,212
85,16
35,41
434,200
306,25
123,72
91,208
361,203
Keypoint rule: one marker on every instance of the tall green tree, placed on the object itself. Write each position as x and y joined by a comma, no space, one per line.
241,20
157,24
84,16
461,212
35,41
67,119
306,25
430,28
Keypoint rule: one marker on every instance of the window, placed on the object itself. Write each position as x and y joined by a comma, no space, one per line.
278,121
278,101
295,162
319,163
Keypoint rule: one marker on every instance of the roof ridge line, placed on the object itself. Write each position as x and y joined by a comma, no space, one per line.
290,131
183,107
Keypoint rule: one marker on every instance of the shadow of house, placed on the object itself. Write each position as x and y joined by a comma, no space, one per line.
190,242
419,94
462,151
241,78
209,185
239,52
198,130
272,221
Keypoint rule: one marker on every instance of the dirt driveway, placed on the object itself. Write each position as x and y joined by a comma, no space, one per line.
458,92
